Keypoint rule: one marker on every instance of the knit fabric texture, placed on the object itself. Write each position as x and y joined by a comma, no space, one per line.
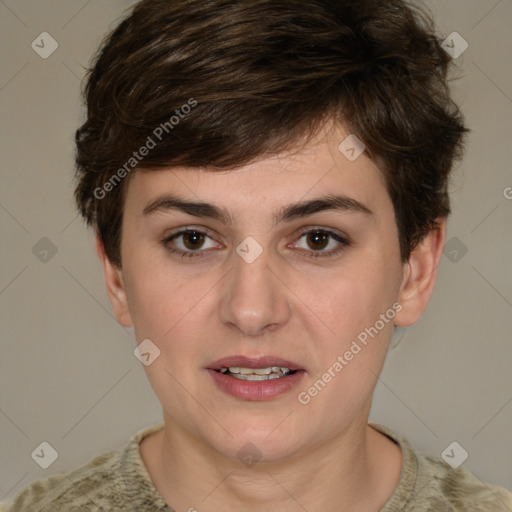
119,481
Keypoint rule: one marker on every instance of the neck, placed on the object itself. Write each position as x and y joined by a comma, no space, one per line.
357,470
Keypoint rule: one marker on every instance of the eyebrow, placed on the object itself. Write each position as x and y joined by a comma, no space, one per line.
287,213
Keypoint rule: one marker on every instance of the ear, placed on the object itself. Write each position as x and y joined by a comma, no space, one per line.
115,287
420,276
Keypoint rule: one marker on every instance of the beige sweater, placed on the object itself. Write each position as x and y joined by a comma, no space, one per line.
119,481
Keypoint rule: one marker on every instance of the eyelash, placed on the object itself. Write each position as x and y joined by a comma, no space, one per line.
312,254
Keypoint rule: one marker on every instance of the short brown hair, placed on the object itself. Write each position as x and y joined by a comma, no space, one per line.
265,74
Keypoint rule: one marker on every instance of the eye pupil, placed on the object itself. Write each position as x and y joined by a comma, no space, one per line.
196,238
318,238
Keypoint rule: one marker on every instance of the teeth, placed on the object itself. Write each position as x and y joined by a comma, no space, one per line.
257,371
269,373
250,371
240,376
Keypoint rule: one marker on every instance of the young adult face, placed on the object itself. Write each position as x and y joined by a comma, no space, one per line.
304,299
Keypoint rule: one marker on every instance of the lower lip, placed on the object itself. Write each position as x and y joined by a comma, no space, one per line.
256,389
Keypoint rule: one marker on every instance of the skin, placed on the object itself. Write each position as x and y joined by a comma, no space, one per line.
322,456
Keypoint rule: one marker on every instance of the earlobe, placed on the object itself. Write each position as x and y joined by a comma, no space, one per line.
420,276
115,286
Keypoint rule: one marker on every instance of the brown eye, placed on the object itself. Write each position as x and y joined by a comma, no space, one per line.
193,239
317,240
190,243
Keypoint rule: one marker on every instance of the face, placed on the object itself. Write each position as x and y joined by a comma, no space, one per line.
250,273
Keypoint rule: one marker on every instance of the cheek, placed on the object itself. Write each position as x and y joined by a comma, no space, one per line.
357,307
352,358
166,310
169,309
352,301
158,300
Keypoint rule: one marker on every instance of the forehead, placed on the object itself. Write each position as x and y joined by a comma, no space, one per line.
318,169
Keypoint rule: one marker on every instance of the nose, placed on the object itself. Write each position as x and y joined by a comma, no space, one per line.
255,299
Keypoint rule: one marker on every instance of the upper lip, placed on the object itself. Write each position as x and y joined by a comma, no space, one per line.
253,362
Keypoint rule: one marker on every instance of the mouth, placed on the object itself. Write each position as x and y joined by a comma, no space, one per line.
268,373
260,378
268,367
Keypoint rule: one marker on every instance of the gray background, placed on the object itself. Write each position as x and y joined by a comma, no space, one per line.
68,375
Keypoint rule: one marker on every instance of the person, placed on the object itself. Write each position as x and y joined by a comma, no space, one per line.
267,181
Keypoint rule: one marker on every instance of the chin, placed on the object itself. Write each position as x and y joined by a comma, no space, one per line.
257,440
